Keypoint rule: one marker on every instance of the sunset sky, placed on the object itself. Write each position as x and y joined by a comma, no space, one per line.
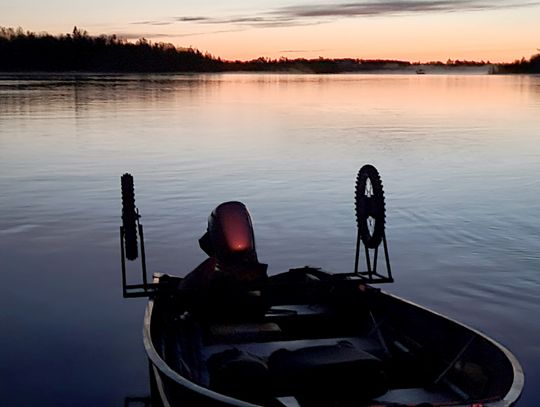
415,30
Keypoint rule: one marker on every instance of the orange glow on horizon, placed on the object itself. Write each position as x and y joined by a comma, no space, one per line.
411,39
501,34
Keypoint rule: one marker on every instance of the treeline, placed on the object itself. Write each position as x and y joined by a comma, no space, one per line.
22,51
456,63
532,65
317,65
78,51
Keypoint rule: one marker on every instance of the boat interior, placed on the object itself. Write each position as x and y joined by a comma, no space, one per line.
338,343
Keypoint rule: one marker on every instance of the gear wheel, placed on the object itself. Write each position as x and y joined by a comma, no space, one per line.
370,206
129,217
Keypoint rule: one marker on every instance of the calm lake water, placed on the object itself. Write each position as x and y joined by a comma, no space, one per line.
459,157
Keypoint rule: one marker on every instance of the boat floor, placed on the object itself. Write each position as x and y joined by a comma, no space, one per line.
262,340
188,344
410,396
413,396
265,349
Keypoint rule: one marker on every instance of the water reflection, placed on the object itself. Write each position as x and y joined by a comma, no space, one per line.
144,401
458,154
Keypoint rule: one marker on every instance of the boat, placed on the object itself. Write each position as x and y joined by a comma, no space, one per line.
420,71
227,334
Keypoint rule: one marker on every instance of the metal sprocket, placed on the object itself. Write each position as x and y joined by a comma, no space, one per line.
370,206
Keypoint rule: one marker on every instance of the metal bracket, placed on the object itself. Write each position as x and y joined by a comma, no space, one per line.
371,276
135,290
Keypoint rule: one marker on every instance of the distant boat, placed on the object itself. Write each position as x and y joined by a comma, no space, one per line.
420,72
305,337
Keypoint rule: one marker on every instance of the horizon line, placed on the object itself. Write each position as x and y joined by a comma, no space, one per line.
133,38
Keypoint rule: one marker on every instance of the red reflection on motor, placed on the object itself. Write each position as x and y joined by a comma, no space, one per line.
236,228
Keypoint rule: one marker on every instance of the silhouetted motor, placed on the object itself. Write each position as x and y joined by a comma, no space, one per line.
229,280
229,237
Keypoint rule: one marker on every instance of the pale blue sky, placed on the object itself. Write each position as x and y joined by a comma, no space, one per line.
407,29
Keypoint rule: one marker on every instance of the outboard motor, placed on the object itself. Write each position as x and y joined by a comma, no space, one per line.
229,236
230,244
228,282
230,240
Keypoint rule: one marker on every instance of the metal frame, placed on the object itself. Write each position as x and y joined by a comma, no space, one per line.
371,276
135,290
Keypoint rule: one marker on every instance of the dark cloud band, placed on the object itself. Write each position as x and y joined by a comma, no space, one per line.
375,8
310,14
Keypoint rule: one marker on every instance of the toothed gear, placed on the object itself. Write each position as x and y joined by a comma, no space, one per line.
129,217
370,206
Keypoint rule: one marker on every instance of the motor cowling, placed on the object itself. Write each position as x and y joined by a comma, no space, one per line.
231,241
229,236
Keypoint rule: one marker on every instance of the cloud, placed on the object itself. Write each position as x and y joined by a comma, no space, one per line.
265,20
137,35
149,35
193,34
377,8
313,14
191,19
152,22
241,22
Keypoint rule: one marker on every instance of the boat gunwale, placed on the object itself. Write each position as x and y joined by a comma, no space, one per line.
518,382
509,399
164,368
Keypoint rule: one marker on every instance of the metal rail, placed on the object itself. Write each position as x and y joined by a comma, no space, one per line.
143,289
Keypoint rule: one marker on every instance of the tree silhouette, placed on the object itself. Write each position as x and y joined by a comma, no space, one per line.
532,65
77,51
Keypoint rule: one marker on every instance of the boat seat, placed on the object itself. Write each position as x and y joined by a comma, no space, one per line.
243,332
265,349
319,372
323,373
239,374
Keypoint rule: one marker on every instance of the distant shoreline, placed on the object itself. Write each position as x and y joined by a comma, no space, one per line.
26,52
449,71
